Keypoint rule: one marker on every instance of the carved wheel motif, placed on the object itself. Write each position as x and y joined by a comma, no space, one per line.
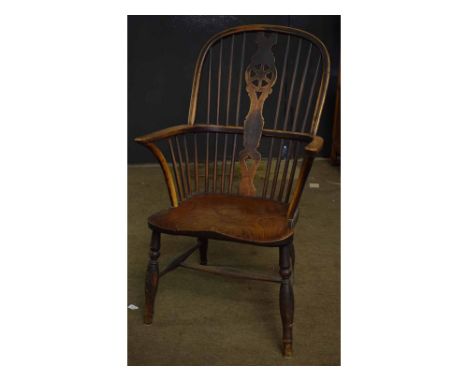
260,77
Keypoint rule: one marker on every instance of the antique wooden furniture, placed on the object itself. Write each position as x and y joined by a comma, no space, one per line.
335,155
219,186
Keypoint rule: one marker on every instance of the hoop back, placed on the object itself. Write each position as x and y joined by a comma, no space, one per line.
215,65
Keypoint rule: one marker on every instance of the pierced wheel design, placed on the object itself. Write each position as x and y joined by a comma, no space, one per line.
261,77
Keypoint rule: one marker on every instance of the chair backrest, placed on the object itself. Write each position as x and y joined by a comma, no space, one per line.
302,66
258,92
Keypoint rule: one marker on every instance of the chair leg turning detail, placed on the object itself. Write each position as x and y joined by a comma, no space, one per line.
286,299
292,253
152,277
223,202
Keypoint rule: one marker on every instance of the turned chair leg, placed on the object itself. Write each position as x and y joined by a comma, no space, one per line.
286,298
292,253
152,276
203,250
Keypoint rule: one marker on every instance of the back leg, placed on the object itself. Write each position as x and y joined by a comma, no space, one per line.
203,250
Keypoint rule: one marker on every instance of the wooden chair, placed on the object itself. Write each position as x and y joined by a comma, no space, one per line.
219,186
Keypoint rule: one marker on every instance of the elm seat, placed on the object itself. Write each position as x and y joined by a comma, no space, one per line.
230,217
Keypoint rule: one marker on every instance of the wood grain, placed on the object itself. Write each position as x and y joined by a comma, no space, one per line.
260,76
238,218
266,221
227,129
325,57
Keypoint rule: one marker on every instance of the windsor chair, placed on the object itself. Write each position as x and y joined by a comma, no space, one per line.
219,186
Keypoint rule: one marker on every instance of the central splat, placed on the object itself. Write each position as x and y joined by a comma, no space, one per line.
260,76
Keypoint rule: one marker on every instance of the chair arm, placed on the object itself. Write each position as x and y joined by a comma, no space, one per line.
227,129
163,134
165,168
148,140
311,150
314,147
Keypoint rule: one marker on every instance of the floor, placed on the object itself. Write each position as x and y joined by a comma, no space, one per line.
204,319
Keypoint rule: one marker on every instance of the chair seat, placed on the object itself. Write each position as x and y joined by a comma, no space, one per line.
230,217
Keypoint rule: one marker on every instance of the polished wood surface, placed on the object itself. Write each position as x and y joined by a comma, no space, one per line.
260,76
183,173
166,171
226,129
206,204
231,217
242,30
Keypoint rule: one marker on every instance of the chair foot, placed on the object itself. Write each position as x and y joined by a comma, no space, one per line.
287,350
152,277
203,251
286,299
148,320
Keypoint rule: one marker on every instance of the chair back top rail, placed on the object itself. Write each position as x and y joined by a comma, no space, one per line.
296,93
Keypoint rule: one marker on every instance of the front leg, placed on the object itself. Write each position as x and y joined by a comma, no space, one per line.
152,276
286,299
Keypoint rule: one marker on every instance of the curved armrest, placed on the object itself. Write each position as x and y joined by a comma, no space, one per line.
311,150
148,140
163,134
226,129
165,168
314,147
